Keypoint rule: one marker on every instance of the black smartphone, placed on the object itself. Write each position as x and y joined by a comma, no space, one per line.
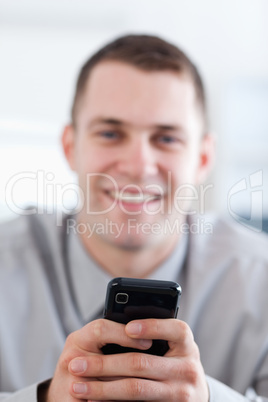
130,299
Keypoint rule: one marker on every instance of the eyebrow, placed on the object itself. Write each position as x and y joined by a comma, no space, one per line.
120,123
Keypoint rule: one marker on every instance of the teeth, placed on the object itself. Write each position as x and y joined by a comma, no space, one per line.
133,198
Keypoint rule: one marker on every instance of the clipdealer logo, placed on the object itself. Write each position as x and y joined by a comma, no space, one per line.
50,196
254,186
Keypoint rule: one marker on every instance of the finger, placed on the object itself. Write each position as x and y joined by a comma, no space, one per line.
131,389
126,364
98,333
176,332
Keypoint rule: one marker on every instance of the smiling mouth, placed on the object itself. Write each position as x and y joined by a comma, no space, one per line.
133,198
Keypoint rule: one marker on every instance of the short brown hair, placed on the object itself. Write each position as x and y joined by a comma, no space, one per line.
145,52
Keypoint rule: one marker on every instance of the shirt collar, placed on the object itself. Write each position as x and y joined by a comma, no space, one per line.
90,281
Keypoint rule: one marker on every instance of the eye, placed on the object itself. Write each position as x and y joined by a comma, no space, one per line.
109,134
167,139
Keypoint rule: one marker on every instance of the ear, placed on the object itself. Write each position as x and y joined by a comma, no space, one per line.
207,157
68,145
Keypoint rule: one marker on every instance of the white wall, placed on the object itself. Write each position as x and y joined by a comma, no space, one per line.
42,46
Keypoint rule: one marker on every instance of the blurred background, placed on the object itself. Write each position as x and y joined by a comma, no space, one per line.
44,43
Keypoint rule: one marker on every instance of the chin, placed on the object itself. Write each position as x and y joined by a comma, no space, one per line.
133,243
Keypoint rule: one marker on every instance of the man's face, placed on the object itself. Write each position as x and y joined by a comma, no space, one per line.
137,148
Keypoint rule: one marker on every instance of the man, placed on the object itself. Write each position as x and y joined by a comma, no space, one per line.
139,143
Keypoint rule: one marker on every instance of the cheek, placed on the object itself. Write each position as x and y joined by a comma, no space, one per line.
92,160
183,171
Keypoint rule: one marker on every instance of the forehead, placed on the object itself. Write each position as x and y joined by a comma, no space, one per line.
119,90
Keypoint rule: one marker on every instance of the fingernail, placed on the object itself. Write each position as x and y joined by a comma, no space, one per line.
78,366
145,343
79,388
134,328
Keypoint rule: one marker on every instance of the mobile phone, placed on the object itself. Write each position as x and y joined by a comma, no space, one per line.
130,299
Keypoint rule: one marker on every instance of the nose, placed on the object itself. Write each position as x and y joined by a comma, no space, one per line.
138,159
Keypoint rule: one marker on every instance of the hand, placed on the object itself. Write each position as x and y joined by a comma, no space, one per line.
177,376
85,345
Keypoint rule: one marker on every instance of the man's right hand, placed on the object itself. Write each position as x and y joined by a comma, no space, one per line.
87,343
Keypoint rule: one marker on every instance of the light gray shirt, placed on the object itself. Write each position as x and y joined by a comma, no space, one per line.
50,286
